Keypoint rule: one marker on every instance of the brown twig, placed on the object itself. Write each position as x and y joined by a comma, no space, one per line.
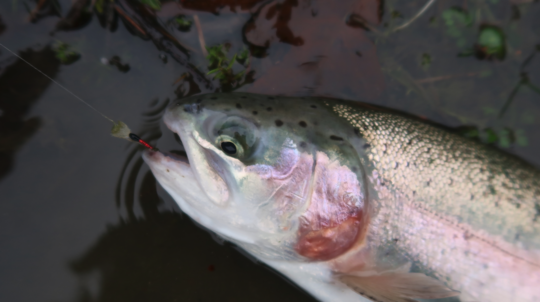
121,12
201,35
446,77
35,11
183,76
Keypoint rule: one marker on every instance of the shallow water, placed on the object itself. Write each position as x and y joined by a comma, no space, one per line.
82,219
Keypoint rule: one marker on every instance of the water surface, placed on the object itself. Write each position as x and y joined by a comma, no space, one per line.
82,219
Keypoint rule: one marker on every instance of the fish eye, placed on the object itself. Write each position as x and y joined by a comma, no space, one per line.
229,148
235,137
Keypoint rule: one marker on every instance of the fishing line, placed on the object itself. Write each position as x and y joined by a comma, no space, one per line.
120,129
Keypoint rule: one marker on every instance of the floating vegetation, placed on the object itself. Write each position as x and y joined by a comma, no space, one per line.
65,54
504,138
491,43
457,22
426,61
182,23
222,67
117,62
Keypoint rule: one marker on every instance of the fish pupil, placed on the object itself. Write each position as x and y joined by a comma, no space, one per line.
228,148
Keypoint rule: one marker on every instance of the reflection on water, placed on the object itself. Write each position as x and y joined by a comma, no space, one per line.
58,197
310,52
20,89
164,256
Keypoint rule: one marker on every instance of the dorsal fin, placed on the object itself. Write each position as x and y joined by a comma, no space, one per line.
398,287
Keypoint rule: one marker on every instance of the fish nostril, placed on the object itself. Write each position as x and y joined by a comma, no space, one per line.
193,108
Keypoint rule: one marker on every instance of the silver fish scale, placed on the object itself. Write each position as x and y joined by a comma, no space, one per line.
473,183
436,190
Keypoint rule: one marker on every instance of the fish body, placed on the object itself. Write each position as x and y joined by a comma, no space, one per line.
354,203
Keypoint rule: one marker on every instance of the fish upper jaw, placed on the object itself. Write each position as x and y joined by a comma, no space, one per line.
198,151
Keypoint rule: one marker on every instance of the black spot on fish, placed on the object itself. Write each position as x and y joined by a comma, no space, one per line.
395,240
413,193
409,142
428,150
279,123
396,166
537,208
354,169
336,138
269,109
238,106
255,112
517,237
407,165
382,184
213,98
365,126
366,146
518,205
472,196
428,183
478,157
302,124
357,132
303,144
481,170
313,106
451,182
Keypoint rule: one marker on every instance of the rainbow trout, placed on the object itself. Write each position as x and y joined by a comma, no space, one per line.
354,203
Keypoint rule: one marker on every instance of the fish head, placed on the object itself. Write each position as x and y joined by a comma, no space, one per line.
263,171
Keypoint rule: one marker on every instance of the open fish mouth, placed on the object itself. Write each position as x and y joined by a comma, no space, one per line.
166,159
169,167
178,155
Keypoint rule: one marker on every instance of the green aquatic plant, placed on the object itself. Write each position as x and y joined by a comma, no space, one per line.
243,56
183,23
65,54
426,61
504,138
491,43
221,66
457,22
153,4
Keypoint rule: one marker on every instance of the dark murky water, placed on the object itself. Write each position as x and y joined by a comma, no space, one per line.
81,216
